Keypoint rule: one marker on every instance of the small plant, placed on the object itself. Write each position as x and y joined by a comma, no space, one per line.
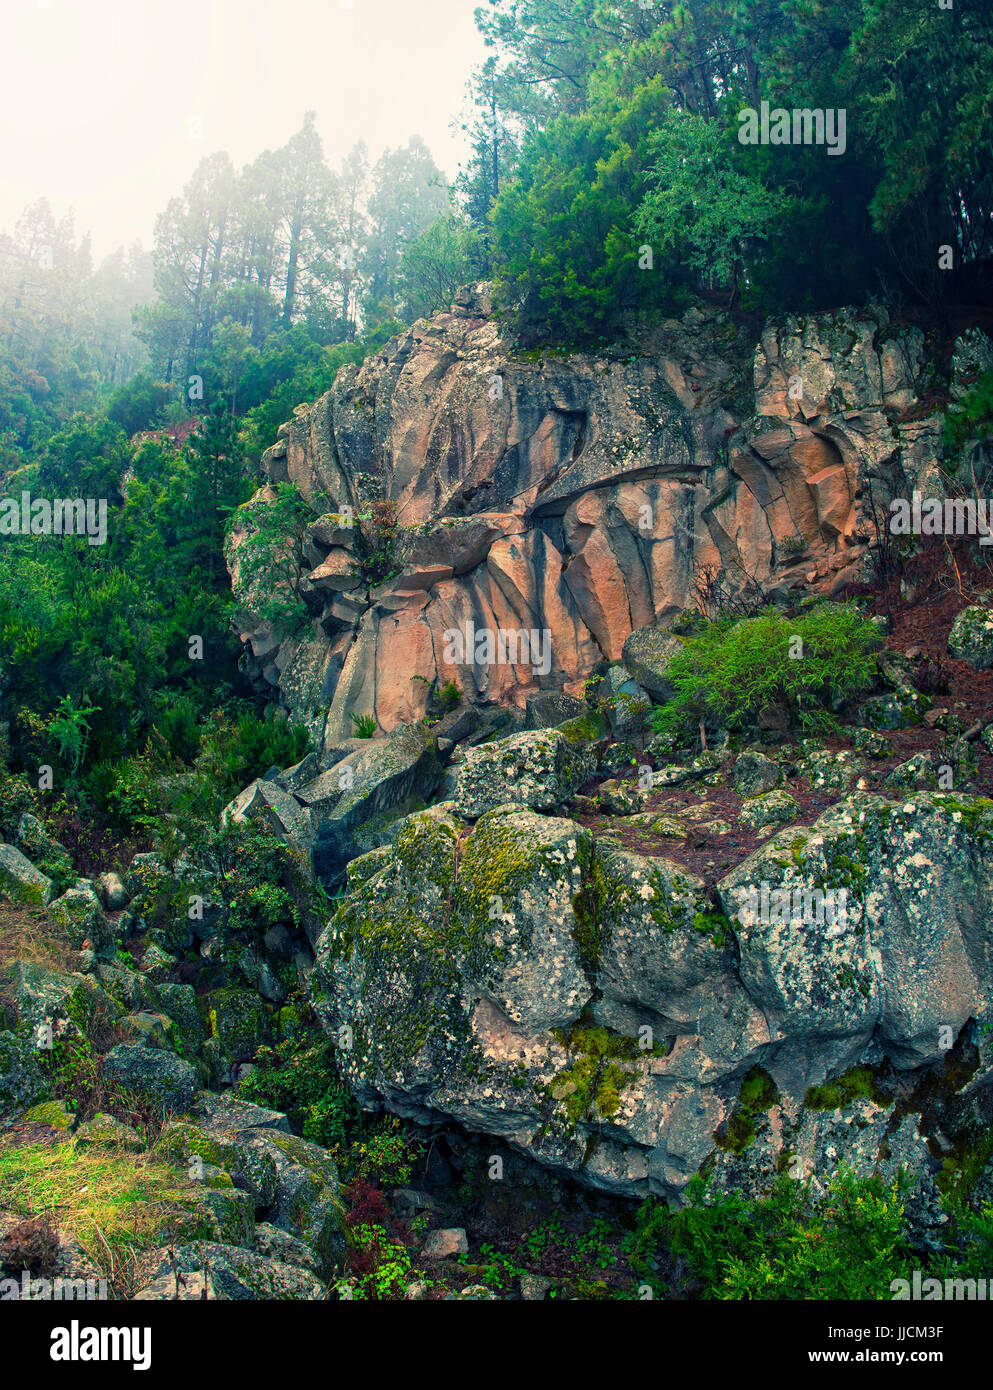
388,1263
301,1078
449,697
386,1157
69,727
365,725
375,542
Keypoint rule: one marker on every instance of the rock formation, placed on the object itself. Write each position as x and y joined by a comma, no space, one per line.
572,499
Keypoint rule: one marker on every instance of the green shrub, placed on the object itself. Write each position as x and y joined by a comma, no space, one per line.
730,671
848,1244
386,1156
449,697
972,417
376,542
365,725
300,1078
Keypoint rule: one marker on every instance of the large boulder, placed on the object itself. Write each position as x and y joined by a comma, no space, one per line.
369,786
159,1076
23,1079
47,854
269,805
21,882
305,1202
39,996
541,769
971,637
871,925
291,1180
754,774
82,919
610,1016
647,654
336,808
231,1273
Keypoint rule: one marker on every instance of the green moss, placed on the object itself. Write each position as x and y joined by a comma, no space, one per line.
587,908
238,1017
181,1140
52,1112
425,847
975,812
961,1168
593,1083
408,952
588,727
757,1095
851,1085
849,978
715,925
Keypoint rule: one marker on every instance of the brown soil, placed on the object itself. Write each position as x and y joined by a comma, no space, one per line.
943,580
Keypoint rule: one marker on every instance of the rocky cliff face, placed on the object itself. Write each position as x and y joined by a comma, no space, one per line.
573,498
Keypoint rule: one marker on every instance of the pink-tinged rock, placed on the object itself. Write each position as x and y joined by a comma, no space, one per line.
446,1244
337,572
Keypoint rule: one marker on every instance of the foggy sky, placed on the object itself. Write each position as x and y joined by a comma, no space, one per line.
97,96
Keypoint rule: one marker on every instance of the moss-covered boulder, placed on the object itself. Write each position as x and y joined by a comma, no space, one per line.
603,1011
38,995
45,853
917,773
754,774
826,769
145,875
52,1113
971,637
539,769
179,1002
213,1213
895,709
380,779
771,809
155,1075
231,1152
21,882
872,924
239,1018
306,1202
106,1132
81,918
23,1078
647,654
236,1275
154,1030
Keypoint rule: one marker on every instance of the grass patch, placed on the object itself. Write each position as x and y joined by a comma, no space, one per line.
29,934
115,1204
